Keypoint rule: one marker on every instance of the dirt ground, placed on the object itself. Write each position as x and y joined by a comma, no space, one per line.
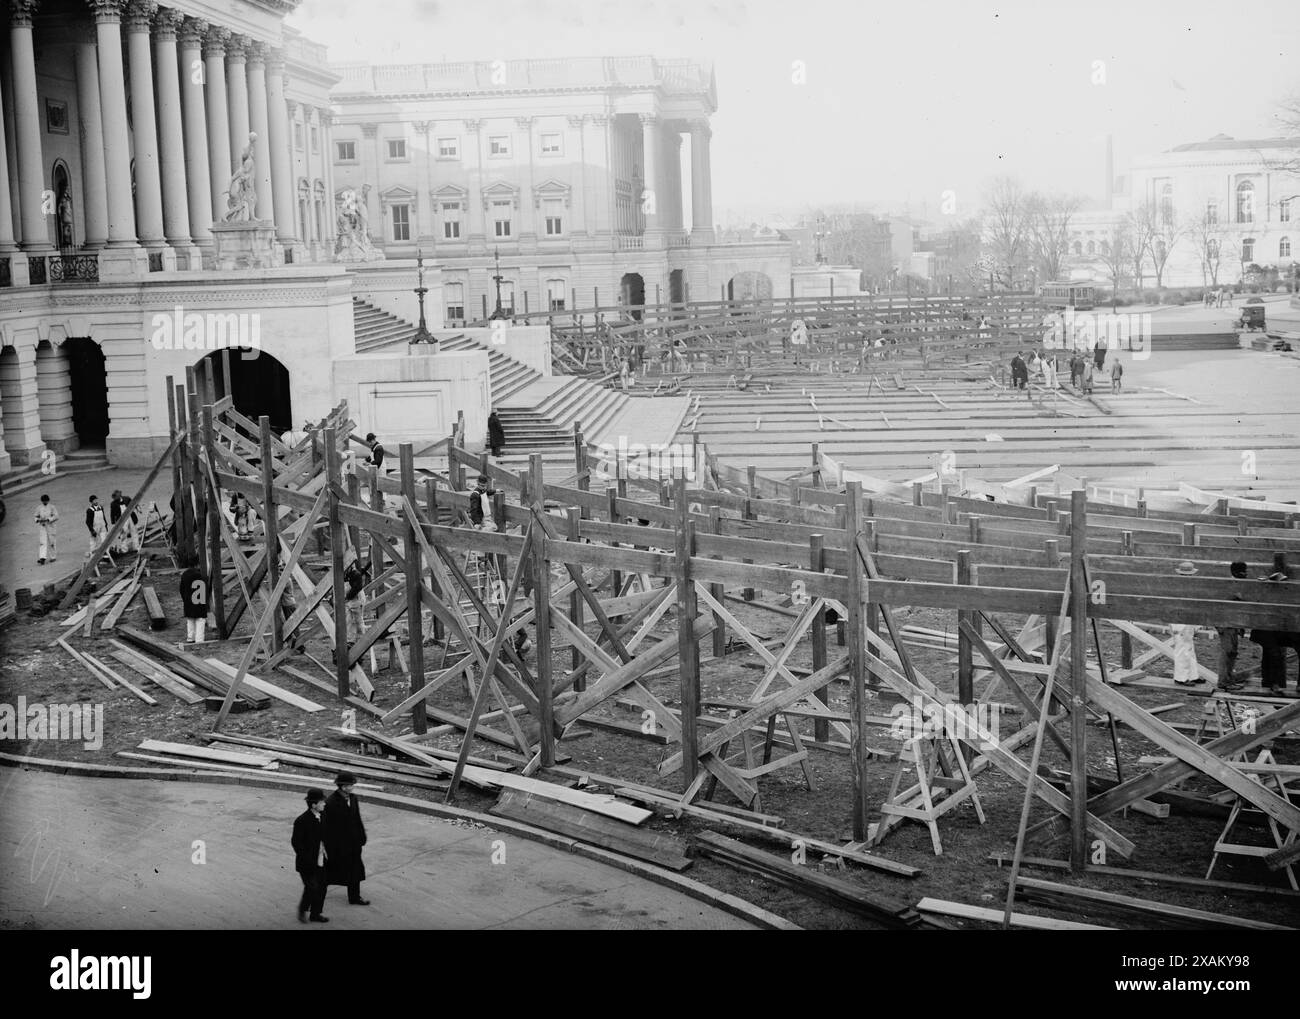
1180,845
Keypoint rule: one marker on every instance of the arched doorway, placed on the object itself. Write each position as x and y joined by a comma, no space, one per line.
54,398
677,286
258,385
749,286
89,386
632,293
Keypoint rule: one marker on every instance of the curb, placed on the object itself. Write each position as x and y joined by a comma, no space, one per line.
720,900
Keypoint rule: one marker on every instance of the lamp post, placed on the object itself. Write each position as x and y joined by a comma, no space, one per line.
422,334
498,312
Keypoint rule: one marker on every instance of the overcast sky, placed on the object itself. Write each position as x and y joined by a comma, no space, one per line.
902,101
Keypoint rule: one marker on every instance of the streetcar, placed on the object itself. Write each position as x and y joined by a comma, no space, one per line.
1068,294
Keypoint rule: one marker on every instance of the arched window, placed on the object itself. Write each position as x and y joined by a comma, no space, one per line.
1167,202
1212,212
1284,248
1245,202
1248,249
1092,247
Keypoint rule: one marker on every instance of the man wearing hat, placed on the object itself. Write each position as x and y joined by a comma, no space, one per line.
1185,669
1229,641
344,837
1272,646
310,858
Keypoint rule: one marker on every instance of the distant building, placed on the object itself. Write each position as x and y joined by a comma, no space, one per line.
1252,206
572,169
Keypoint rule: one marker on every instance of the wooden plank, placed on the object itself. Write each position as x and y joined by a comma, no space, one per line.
206,753
86,665
270,689
661,850
117,676
1026,921
324,687
157,618
1198,919
170,682
188,667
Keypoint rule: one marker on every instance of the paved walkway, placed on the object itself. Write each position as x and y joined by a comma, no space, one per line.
90,853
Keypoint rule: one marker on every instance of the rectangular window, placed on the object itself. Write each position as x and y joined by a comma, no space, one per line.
451,220
1212,212
396,148
555,291
1284,210
551,144
401,222
1248,250
553,211
347,151
499,145
454,298
448,148
501,219
315,138
297,136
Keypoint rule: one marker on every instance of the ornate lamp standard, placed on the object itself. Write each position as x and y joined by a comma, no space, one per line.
498,312
422,334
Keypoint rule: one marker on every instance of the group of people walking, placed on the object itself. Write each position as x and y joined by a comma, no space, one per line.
1083,370
98,522
327,841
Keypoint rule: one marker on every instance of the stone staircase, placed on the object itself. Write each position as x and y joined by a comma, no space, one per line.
537,412
79,461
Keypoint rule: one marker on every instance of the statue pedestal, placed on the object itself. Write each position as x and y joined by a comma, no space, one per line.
246,244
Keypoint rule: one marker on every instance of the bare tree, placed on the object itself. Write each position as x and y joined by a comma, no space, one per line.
1115,255
1047,224
1288,116
1006,230
1208,234
1142,227
1168,231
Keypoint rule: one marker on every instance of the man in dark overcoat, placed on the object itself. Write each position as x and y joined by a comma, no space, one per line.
344,837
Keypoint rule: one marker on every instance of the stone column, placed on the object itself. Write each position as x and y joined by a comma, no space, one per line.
237,102
600,179
123,256
214,60
652,204
475,214
527,200
329,216
91,125
673,178
260,124
27,132
577,211
198,172
699,194
171,139
54,398
281,150
371,161
7,243
22,416
148,175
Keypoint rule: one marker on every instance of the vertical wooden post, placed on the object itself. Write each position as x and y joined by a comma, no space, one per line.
817,563
183,514
718,591
336,555
580,465
688,649
873,608
751,473
542,618
1052,550
1078,685
272,523
816,465
1189,533
857,667
216,575
414,608
965,660
616,577
1125,639
575,600
918,490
